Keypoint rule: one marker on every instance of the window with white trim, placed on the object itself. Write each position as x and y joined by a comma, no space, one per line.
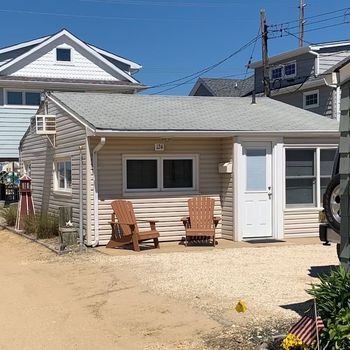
277,73
22,98
284,71
290,70
63,55
308,172
160,173
311,99
63,171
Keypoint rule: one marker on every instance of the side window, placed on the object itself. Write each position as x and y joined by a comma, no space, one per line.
311,99
63,170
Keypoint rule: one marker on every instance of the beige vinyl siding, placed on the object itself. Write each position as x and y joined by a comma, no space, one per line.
40,152
227,191
166,207
303,222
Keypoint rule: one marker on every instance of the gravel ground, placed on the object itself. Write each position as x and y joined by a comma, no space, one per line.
272,280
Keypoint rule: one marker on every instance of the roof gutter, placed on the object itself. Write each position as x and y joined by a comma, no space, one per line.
102,142
207,133
48,85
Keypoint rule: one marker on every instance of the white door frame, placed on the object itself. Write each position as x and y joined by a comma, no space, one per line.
277,173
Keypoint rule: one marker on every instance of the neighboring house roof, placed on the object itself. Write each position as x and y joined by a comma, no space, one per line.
300,51
128,113
224,87
102,55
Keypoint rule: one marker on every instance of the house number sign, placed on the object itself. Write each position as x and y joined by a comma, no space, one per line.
159,147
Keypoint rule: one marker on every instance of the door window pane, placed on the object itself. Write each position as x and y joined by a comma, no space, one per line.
32,98
14,98
256,169
177,173
141,173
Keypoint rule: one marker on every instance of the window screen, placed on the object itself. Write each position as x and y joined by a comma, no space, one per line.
177,173
300,177
141,174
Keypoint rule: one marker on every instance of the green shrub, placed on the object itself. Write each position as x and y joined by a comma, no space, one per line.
10,215
333,302
42,225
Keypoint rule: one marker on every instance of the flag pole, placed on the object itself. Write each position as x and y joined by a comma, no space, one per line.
317,335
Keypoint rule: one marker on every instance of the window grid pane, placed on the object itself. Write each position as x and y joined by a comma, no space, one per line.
14,98
289,69
311,99
277,73
63,55
32,98
177,173
141,174
61,175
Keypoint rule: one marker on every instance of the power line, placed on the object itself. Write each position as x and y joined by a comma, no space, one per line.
26,12
164,3
195,75
315,16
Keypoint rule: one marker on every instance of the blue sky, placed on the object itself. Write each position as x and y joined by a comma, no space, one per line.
170,38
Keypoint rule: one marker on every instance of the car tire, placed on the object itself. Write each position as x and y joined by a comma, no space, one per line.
331,203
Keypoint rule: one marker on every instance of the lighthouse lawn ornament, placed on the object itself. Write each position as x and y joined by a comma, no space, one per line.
25,206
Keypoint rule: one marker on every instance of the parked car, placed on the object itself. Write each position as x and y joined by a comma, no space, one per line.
329,231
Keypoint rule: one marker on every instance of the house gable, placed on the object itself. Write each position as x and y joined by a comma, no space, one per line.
87,64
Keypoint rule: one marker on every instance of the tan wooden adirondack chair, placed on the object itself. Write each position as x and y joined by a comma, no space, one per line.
201,222
125,229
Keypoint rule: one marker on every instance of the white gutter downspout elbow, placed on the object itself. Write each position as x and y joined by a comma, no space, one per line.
317,63
102,142
336,95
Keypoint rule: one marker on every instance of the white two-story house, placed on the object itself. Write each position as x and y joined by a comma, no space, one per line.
297,77
60,62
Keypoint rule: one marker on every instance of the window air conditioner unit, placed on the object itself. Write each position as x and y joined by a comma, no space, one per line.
45,124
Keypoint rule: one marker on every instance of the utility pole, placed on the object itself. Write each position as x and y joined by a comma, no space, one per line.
264,38
301,22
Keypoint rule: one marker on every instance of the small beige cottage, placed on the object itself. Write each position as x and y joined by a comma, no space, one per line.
265,163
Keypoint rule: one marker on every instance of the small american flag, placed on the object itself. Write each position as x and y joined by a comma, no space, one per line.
307,329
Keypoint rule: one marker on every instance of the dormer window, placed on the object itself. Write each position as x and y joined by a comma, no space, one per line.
63,55
290,70
276,73
284,71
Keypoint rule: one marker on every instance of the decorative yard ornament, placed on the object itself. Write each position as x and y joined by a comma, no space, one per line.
344,170
25,205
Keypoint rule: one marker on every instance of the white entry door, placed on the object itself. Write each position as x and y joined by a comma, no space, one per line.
257,191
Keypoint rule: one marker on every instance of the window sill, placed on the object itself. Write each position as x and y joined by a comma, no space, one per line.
303,208
64,63
153,194
22,106
311,106
62,193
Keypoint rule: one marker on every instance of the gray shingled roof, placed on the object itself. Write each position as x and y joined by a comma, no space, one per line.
122,112
228,87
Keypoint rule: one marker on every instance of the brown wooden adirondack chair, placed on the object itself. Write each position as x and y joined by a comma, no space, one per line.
201,222
125,229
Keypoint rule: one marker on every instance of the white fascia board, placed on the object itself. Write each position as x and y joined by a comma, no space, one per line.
327,45
48,85
133,65
24,44
78,42
282,56
70,112
165,134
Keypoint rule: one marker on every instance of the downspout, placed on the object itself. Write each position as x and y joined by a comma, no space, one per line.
336,93
102,142
317,63
81,218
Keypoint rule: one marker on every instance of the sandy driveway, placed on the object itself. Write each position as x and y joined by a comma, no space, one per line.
163,301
